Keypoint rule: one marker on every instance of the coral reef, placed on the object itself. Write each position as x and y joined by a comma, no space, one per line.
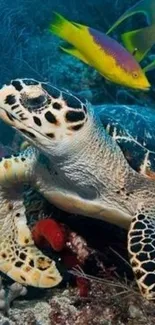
9,295
103,306
108,303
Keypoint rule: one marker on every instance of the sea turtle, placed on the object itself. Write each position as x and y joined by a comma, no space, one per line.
76,164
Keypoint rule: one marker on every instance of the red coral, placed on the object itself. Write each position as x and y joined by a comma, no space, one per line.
83,286
49,232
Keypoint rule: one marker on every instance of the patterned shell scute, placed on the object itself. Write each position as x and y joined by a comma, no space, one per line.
133,127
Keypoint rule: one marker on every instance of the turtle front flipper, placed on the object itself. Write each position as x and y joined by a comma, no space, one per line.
141,247
19,258
18,168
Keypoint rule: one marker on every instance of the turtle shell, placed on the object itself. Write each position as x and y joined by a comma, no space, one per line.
133,127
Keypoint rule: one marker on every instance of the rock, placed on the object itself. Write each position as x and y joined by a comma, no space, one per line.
134,312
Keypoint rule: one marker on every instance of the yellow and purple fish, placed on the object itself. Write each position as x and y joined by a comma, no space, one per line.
102,52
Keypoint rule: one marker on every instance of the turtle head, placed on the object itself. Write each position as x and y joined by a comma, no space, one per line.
46,116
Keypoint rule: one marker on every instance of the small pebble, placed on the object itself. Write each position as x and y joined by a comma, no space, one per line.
134,312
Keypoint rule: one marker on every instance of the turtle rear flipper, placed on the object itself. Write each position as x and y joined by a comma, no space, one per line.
141,247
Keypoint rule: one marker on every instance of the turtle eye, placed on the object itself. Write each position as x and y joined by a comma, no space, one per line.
35,103
135,74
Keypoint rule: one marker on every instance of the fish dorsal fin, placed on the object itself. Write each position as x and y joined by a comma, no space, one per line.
78,25
141,39
147,7
149,67
73,51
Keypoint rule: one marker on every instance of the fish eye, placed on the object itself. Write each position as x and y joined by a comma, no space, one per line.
135,74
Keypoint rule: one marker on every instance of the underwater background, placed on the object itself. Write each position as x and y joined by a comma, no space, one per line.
29,50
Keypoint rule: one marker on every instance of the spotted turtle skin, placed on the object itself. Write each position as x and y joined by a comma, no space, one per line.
93,161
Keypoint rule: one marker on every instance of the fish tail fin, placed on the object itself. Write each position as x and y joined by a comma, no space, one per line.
139,41
63,28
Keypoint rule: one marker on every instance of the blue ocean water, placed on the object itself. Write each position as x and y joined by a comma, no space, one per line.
29,50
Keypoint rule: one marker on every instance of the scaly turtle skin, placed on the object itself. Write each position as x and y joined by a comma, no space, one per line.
19,257
133,129
79,167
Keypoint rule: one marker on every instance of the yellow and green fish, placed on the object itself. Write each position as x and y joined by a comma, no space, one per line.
102,52
141,39
146,7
